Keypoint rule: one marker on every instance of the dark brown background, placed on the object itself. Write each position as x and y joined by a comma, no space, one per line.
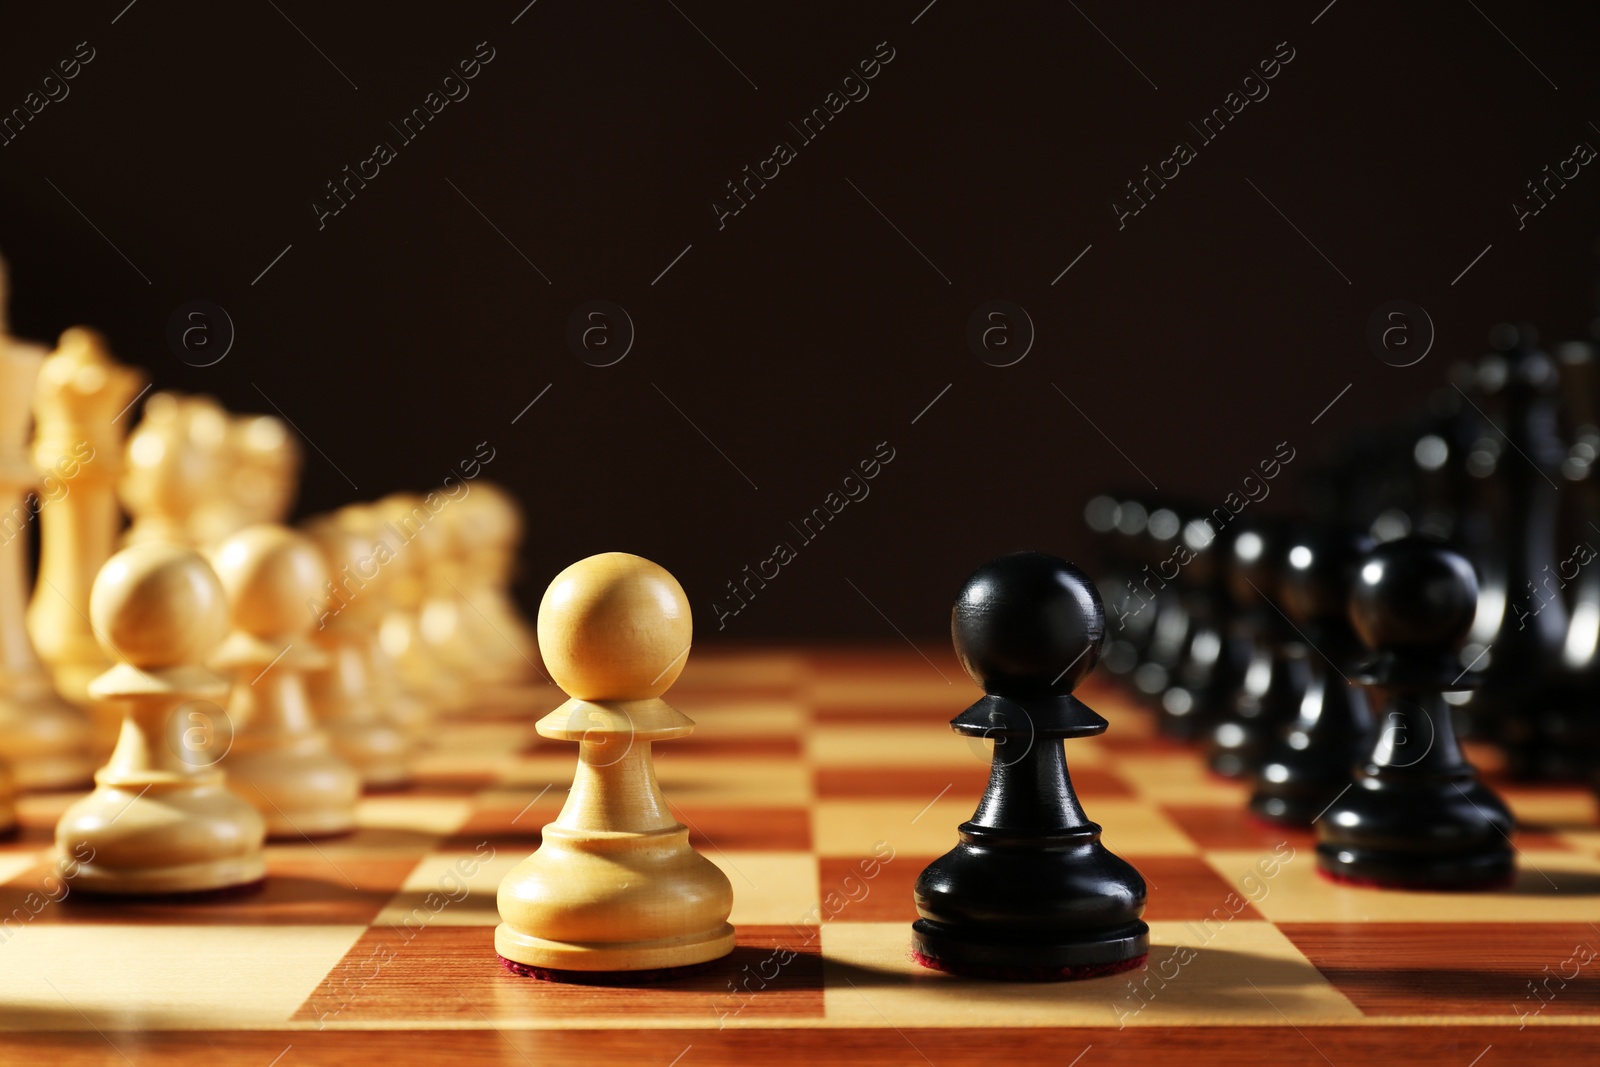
807,331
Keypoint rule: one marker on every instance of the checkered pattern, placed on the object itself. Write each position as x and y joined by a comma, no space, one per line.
821,782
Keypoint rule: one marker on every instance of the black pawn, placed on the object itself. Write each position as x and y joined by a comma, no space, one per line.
1214,658
1274,680
1311,762
1416,816
1030,892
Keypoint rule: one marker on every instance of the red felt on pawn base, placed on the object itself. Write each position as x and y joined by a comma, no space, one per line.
608,978
1425,887
1031,974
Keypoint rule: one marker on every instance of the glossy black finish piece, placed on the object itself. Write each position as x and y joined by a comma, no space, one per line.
1312,760
1568,736
1164,651
1416,815
1275,678
1212,667
1517,702
1029,887
1127,588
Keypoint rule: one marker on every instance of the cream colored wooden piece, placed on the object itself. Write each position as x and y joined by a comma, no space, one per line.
175,463
259,465
615,885
407,710
445,619
281,761
43,737
487,530
363,731
161,818
404,521
80,409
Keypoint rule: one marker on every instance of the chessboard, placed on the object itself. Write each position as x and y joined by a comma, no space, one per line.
821,781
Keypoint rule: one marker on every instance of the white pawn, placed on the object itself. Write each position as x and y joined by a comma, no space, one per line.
404,528
281,760
172,467
161,818
615,885
487,527
363,730
375,572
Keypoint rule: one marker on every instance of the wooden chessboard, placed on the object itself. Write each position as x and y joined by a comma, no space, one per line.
821,782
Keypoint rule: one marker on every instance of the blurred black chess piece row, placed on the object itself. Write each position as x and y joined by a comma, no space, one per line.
1229,623
1246,631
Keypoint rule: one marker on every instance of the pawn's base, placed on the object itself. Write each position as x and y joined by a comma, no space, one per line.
1464,872
298,785
541,954
310,829
1021,974
218,876
1187,725
1280,809
377,749
982,953
1233,763
606,978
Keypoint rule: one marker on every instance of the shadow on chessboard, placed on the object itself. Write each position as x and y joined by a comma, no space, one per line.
1553,882
1219,979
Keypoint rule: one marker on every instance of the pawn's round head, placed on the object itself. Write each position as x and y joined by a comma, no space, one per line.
1028,623
415,522
1320,572
355,561
614,627
158,605
496,518
1413,594
270,573
1251,567
1204,546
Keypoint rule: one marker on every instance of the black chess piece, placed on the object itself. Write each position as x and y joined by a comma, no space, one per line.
1119,522
1311,762
1569,746
1169,627
1275,679
1214,658
1127,625
1415,815
1029,892
1522,623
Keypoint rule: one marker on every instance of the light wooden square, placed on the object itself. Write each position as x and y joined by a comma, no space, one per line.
13,864
879,745
429,815
455,888
725,718
769,888
696,781
167,977
1566,886
1180,779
